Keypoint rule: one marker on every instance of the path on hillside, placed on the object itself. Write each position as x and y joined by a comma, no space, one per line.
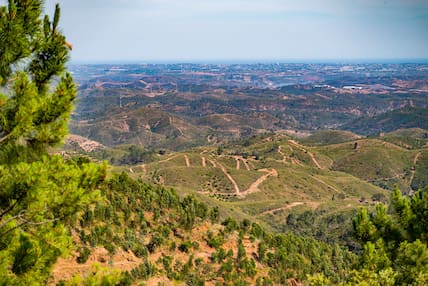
187,161
284,158
301,147
238,163
289,206
296,162
212,163
246,164
168,159
255,186
171,123
252,189
324,183
415,160
143,167
204,162
235,185
413,169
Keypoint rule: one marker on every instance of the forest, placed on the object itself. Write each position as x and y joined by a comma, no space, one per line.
57,208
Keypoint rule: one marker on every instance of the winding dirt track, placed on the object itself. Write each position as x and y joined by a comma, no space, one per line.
187,161
204,162
413,170
168,159
238,160
324,183
238,165
284,158
415,160
255,186
246,165
289,206
235,185
301,147
212,163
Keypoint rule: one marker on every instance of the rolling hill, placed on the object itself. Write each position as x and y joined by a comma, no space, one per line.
407,117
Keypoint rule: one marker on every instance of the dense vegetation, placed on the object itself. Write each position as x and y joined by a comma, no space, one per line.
39,193
395,241
149,220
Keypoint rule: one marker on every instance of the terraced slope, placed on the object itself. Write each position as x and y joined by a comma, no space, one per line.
271,176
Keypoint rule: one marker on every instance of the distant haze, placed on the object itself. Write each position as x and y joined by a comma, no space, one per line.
200,30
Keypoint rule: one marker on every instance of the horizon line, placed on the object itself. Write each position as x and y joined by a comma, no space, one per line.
258,61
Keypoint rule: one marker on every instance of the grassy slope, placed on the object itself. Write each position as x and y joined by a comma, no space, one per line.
379,162
299,183
327,137
329,179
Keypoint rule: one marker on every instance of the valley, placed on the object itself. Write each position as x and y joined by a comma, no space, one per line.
293,153
216,173
180,106
260,140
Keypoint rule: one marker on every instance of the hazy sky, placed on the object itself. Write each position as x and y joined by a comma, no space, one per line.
198,30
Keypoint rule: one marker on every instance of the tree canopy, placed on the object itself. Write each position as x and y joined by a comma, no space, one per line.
394,241
39,192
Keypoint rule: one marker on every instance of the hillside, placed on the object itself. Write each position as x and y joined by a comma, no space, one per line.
231,177
182,106
410,138
206,174
327,137
407,117
154,128
148,233
375,161
268,177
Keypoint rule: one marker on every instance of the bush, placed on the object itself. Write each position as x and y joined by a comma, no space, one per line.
84,253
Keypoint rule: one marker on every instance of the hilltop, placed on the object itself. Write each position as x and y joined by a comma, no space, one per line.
182,106
240,175
240,195
272,177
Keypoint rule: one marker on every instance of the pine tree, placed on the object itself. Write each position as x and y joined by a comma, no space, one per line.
394,239
39,192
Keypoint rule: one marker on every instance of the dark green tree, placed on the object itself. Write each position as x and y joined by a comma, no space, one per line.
39,192
395,241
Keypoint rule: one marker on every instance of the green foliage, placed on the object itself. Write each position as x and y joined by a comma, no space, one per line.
421,171
325,226
39,193
215,241
84,253
319,280
185,246
97,277
394,241
230,224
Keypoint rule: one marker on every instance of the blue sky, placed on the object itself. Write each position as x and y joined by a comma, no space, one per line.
199,30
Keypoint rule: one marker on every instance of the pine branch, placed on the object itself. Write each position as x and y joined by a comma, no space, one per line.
5,137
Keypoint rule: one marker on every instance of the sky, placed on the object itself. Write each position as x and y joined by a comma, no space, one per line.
243,30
